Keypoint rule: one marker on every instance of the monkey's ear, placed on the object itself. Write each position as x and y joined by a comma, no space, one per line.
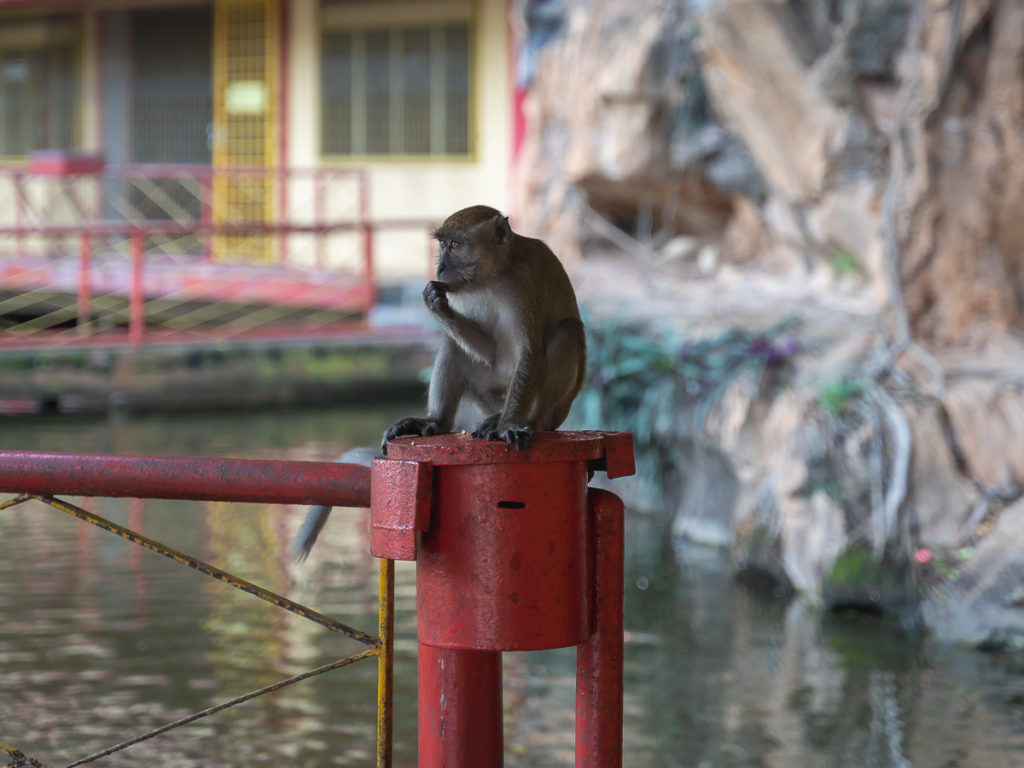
502,230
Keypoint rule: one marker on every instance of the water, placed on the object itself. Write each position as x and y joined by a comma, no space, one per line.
100,640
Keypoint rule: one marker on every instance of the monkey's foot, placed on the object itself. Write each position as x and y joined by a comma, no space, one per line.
410,427
519,438
488,428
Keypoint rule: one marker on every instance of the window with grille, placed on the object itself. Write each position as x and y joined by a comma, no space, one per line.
39,85
170,99
171,85
396,89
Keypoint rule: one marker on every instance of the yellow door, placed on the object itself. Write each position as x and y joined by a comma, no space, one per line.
244,124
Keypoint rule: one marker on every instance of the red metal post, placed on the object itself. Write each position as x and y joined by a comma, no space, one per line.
206,211
599,659
503,565
318,217
369,272
510,556
19,211
84,282
397,517
459,708
136,298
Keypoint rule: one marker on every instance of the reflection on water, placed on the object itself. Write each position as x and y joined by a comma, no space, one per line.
101,640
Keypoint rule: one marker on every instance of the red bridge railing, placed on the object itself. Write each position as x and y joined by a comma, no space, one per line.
186,249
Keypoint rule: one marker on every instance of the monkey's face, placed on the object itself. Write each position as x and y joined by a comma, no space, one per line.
458,262
472,244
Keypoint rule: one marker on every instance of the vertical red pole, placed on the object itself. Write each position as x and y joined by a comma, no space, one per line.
84,282
136,299
369,273
459,708
318,216
206,211
599,658
19,211
368,268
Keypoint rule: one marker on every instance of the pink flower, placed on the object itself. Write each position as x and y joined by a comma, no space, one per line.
923,556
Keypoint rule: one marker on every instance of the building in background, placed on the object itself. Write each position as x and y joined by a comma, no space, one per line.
414,95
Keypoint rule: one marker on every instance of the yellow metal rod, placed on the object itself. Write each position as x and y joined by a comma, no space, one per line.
385,663
15,500
382,648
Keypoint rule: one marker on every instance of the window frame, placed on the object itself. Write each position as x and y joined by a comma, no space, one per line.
397,17
34,34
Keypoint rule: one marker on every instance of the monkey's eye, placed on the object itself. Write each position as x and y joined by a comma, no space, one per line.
453,245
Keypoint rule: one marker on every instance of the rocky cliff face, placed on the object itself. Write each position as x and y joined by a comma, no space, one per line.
859,165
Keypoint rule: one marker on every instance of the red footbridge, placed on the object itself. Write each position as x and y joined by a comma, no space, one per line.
92,254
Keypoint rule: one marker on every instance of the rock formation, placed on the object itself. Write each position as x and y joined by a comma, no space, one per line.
859,165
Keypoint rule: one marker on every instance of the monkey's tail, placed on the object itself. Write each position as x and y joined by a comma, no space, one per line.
317,516
311,527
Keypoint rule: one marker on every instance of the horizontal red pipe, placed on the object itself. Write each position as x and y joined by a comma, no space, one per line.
166,477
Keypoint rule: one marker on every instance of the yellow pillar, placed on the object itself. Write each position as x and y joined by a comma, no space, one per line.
245,61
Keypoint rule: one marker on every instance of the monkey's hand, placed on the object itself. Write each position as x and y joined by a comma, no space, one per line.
491,429
435,296
410,427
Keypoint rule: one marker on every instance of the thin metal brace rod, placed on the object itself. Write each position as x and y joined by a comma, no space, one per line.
217,708
198,565
16,500
381,647
386,663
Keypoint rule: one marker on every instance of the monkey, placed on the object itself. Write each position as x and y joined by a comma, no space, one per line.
513,341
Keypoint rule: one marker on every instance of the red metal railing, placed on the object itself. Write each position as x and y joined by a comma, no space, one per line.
43,475
158,248
162,477
513,551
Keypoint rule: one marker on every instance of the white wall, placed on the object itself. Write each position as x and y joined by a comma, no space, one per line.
426,190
